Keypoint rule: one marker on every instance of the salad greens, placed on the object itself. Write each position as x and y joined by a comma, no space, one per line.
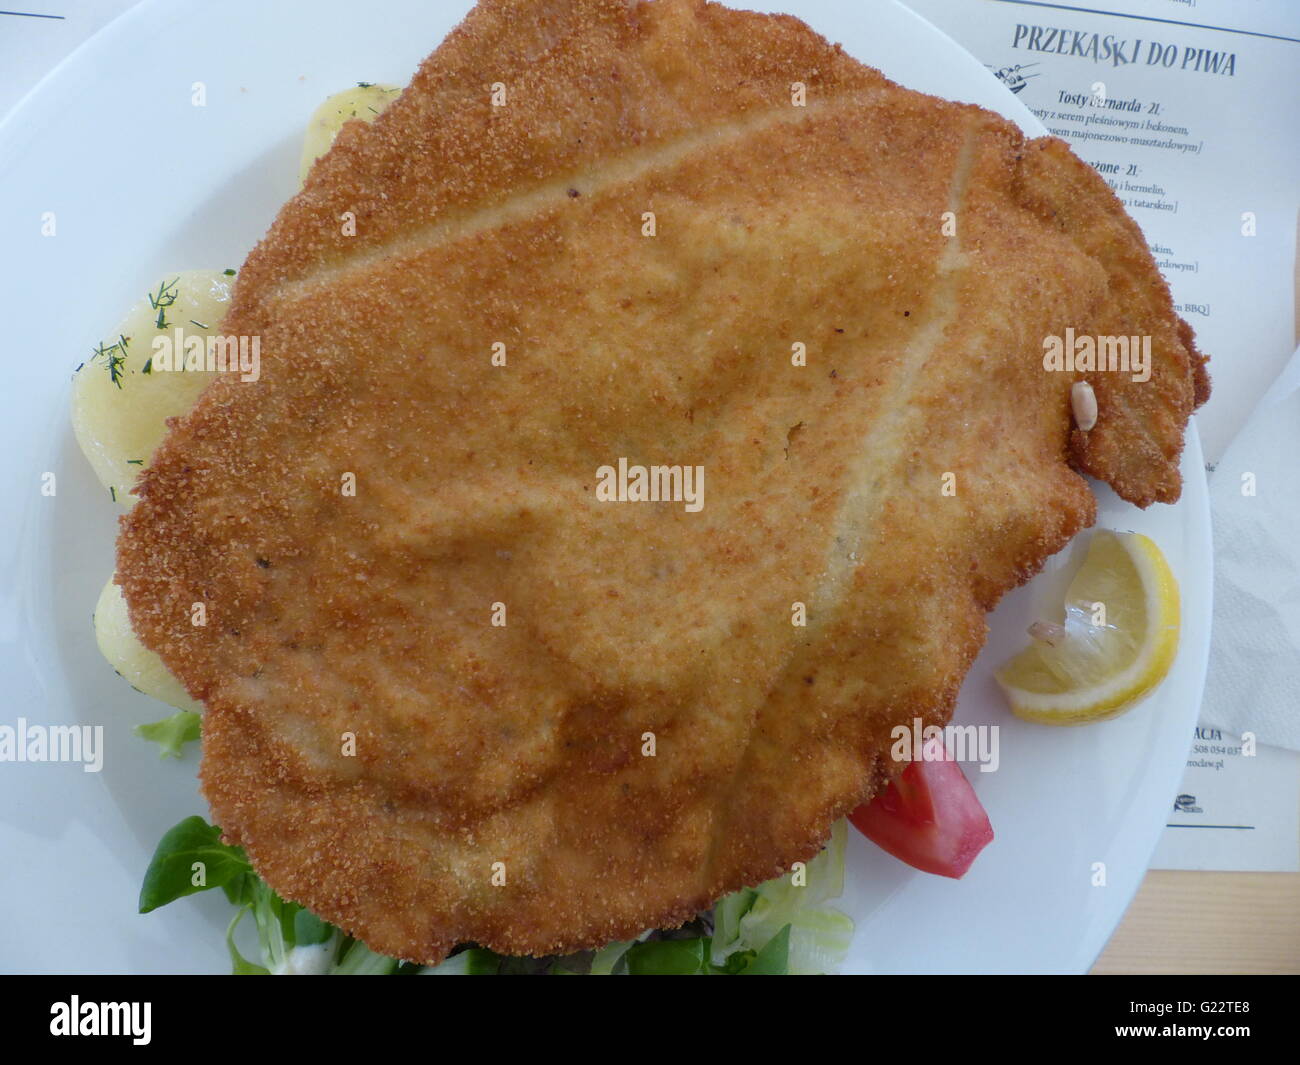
819,935
172,733
783,926
192,858
291,939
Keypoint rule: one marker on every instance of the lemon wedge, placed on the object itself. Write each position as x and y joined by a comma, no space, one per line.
1117,643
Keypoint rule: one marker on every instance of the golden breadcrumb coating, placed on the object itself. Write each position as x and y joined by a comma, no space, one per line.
519,749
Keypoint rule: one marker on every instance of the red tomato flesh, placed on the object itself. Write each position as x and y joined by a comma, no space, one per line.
928,817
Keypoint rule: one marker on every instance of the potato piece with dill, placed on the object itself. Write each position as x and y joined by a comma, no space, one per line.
364,100
134,662
120,405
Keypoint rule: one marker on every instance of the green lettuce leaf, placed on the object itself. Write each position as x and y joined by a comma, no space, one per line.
172,733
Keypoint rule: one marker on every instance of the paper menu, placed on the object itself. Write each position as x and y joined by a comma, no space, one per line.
1234,811
1189,110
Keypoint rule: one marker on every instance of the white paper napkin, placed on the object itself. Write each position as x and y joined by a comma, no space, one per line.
1254,676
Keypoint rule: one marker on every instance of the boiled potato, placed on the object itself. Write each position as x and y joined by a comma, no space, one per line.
120,405
363,101
119,644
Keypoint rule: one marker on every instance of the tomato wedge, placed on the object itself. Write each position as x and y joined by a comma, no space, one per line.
929,816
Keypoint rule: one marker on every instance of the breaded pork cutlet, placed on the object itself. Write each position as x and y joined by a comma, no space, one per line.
659,237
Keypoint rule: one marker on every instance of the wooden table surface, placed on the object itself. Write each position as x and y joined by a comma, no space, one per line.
1190,922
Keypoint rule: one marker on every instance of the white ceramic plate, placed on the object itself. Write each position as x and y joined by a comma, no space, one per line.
141,183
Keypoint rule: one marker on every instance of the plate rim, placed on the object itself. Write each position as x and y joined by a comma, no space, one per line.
26,111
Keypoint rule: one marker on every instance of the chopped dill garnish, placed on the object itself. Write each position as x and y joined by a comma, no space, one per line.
199,324
166,294
113,492
228,272
164,298
135,462
365,85
148,365
114,357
